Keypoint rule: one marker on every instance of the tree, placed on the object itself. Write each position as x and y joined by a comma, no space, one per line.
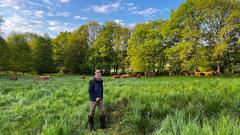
58,46
137,40
214,22
103,48
229,35
146,47
202,23
76,50
93,29
42,54
4,55
120,43
21,57
155,47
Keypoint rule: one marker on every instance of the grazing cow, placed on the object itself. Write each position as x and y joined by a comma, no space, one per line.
112,73
208,73
150,74
83,77
42,78
116,76
139,75
164,73
171,73
197,73
133,75
202,74
186,73
125,75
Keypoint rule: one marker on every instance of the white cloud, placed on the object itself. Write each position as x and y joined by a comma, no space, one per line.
39,14
65,1
80,17
56,26
55,2
147,11
64,14
29,16
131,25
118,21
48,2
107,7
130,4
35,4
131,8
66,24
53,23
16,4
110,7
19,24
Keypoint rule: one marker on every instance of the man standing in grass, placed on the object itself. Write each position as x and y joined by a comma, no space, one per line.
95,91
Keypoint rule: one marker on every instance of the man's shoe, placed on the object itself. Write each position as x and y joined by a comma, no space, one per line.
102,122
90,124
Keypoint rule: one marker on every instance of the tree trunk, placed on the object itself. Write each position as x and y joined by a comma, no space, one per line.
116,69
218,68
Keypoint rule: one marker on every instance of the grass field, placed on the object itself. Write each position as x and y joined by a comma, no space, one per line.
162,106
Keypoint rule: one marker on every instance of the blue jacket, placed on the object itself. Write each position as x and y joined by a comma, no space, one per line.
95,89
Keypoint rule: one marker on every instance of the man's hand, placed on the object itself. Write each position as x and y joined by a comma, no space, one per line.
97,99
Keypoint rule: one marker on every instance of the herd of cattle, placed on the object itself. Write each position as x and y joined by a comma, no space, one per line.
137,75
15,78
154,74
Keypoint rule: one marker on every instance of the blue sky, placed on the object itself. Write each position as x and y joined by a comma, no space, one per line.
54,16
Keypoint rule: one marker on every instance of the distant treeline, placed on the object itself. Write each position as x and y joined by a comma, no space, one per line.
200,35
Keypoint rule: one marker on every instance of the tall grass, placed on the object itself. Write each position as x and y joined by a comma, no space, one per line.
163,105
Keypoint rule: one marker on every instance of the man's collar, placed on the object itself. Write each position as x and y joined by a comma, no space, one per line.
97,79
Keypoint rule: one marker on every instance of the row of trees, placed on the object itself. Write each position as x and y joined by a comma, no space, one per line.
200,35
92,46
26,53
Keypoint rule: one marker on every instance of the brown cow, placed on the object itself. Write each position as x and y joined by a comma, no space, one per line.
116,76
133,75
150,74
41,78
125,76
139,75
202,74
208,73
197,73
186,73
171,73
83,77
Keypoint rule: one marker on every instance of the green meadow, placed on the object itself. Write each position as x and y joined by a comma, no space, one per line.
162,106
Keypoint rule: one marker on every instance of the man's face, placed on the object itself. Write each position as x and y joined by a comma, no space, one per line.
98,75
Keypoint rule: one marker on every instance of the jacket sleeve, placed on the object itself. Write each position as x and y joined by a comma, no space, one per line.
102,91
90,89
